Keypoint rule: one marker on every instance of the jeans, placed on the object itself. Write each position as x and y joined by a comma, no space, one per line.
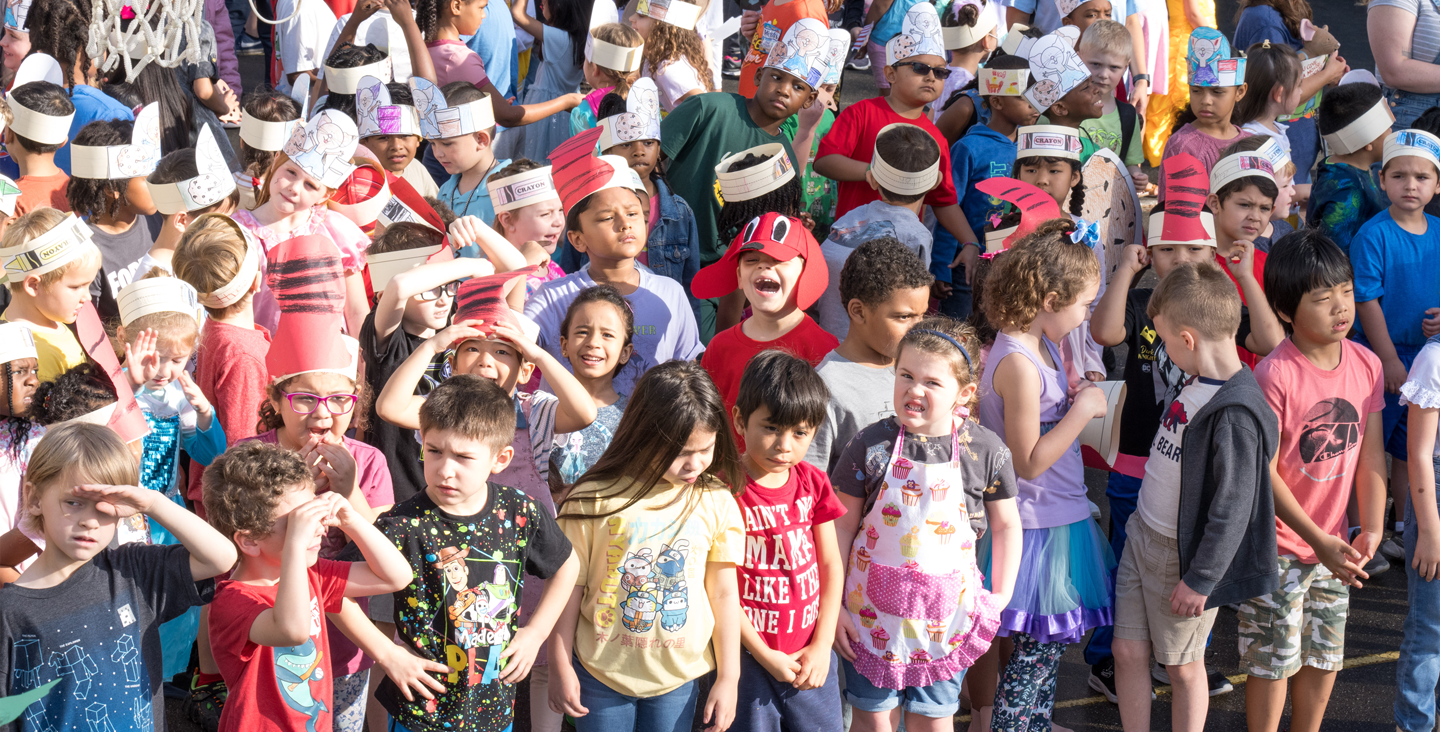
611,711
1417,673
1407,106
959,305
1122,492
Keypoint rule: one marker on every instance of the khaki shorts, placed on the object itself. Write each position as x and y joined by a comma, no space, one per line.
1300,624
1148,573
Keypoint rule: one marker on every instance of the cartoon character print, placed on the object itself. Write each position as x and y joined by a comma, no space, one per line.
675,608
369,97
670,566
1056,60
655,585
1175,417
332,142
428,100
1205,51
480,615
639,612
635,573
296,668
806,45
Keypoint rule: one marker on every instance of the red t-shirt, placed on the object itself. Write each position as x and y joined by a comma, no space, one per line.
230,371
853,135
286,689
731,349
780,577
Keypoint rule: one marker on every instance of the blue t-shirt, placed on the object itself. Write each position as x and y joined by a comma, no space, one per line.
1045,16
1344,197
1397,267
1260,23
494,43
982,153
90,104
474,202
888,26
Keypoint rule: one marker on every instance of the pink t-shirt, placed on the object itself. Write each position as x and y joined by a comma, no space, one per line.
1322,422
1205,148
348,238
454,61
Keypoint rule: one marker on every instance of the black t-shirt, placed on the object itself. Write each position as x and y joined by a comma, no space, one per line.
465,600
98,634
400,446
120,256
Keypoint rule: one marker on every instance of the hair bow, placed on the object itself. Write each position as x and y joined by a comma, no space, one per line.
1086,233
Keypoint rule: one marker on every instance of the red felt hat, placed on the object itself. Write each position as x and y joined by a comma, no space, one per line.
1036,206
483,298
779,236
308,280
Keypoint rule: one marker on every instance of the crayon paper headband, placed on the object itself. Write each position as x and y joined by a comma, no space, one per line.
323,147
639,121
16,342
1056,67
9,196
139,158
1183,221
49,251
1363,131
377,115
1002,82
347,81
579,173
439,120
1047,141
1240,165
210,185
675,12
838,53
157,295
1413,143
522,189
17,14
803,52
1272,151
902,182
239,285
1035,206
28,123
919,36
964,36
753,182
1209,60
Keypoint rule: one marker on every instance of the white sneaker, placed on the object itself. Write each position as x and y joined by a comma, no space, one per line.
1159,673
1393,549
1094,510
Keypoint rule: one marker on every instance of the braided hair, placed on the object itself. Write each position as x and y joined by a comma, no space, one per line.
1077,194
348,56
734,215
427,16
16,429
57,28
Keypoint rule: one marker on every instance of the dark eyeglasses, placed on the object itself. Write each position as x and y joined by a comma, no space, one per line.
941,72
302,403
431,295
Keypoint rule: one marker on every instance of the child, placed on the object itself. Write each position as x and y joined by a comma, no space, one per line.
1308,282
470,540
905,167
1242,186
788,670
1106,48
968,28
560,37
18,434
1025,397
181,190
79,486
1276,67
389,126
1204,529
657,510
265,624
612,65
597,340
675,57
41,113
1217,84
466,149
16,43
266,119
885,290
51,283
1354,122
780,268
772,21
528,214
753,183
895,477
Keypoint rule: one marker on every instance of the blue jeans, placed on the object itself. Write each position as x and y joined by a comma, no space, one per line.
611,711
938,700
1417,673
959,305
1407,106
1122,492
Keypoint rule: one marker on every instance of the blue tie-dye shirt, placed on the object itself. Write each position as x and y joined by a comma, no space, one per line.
1343,199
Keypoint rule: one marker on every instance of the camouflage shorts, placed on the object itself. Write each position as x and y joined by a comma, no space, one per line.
1300,624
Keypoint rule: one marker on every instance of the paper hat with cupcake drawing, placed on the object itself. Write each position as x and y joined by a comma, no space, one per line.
919,36
1209,61
211,184
377,115
803,52
113,162
639,121
28,123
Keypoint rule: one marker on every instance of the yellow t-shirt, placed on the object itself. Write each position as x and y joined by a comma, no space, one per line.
645,619
58,349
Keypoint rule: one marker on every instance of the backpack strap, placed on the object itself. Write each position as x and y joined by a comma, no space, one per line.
1127,126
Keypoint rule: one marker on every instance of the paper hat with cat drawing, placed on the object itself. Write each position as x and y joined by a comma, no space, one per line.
377,115
1056,67
1183,221
439,120
919,36
28,123
675,12
483,298
607,55
49,251
157,295
113,162
9,196
1209,61
579,173
17,341
211,184
272,136
964,36
803,52
836,55
308,281
347,81
639,121
17,15
323,147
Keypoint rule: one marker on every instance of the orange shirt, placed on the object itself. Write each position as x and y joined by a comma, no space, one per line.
775,18
38,191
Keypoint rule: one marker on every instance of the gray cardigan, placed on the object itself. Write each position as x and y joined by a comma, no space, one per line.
1226,523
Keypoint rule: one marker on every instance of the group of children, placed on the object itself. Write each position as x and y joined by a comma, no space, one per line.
655,432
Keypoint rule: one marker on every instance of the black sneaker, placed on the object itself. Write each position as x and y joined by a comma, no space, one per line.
204,703
1102,679
249,46
860,63
730,67
1219,684
1377,565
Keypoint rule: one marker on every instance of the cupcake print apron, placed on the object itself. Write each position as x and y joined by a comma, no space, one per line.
913,591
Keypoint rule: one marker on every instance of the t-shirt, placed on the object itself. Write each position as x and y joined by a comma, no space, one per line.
1425,43
419,178
454,61
673,80
889,24
862,224
817,193
39,191
1205,148
230,371
14,459
645,622
695,137
463,605
120,256
494,42
58,348
400,446
1342,199
577,452
979,154
1046,16
281,688
98,634
776,17
1159,502
300,41
780,577
1397,268
474,202
985,468
730,350
1107,132
860,395
853,136
665,326
1322,422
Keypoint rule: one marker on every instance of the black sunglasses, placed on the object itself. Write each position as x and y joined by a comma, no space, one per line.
941,72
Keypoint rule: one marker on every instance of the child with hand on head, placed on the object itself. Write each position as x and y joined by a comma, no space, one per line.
1215,89
788,670
612,66
920,489
47,290
40,116
1243,187
266,119
1309,283
171,191
885,290
659,498
561,36
1106,48
1354,121
968,28
597,339
675,56
18,435
1205,526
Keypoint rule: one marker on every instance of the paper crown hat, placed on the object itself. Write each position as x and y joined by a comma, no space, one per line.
964,36
107,162
639,121
1102,434
902,182
17,14
837,53
1002,82
239,285
49,251
1182,221
157,295
603,53
919,36
28,123
1209,61
1056,67
9,196
377,115
439,120
16,342
308,281
210,185
1035,207
1047,141
347,81
1413,143
1363,131
364,194
523,189
323,147
272,136
756,181
1237,166
675,12
579,173
483,298
803,52
779,236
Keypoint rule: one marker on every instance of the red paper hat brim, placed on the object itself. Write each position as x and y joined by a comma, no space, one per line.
483,298
362,185
723,277
1035,206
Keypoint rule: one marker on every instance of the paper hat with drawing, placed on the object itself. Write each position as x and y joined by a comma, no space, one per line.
964,36
1237,166
47,252
639,121
775,235
210,185
803,52
439,120
1056,67
272,136
483,298
323,147
836,54
919,36
755,181
239,285
522,189
17,15
364,193
9,196
1413,143
1182,221
16,342
113,162
377,115
308,281
899,181
348,81
579,173
1209,60
1047,141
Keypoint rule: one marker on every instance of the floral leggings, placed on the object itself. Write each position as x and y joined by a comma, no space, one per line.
1027,687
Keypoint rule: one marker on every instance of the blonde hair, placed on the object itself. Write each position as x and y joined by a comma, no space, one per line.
263,195
922,337
78,452
209,255
1106,35
36,224
1043,262
1199,297
620,35
177,331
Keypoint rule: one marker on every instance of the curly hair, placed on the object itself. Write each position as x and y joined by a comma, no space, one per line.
270,106
879,267
618,34
1077,194
963,365
734,215
668,43
984,331
243,487
105,197
1043,263
57,28
74,393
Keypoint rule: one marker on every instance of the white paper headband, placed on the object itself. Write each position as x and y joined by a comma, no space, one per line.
1413,143
743,185
1157,229
1272,151
346,81
675,12
109,162
522,189
239,285
607,55
1362,131
1047,141
901,182
28,123
964,36
1240,165
1003,82
49,251
16,342
156,295
384,267
263,135
439,120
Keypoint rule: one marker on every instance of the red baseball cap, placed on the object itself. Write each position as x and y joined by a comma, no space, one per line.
779,236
